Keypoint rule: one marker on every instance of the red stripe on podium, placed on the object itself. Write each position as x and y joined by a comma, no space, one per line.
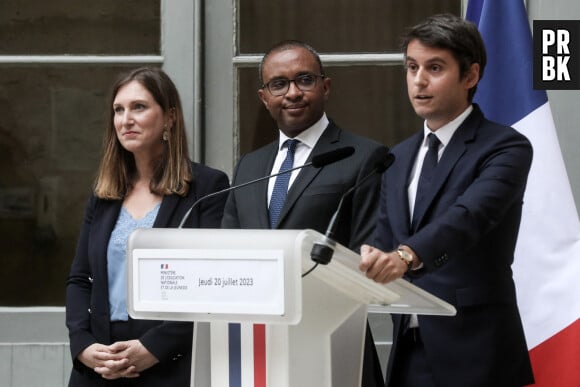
259,355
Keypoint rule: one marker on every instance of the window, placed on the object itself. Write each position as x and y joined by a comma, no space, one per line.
359,45
58,60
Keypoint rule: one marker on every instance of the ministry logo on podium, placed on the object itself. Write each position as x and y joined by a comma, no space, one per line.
556,54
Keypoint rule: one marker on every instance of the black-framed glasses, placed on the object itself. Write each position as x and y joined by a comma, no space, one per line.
280,86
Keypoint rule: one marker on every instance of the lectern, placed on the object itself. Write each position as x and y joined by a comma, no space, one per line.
258,321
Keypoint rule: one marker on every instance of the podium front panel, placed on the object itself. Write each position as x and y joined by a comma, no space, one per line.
214,274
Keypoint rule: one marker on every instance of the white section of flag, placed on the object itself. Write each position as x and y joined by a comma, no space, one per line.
247,354
547,261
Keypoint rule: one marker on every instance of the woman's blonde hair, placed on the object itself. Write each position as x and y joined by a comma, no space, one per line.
172,171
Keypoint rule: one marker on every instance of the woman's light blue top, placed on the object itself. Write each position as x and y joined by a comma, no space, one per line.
117,260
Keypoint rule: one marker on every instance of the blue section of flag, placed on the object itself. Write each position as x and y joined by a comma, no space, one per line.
474,11
235,354
506,93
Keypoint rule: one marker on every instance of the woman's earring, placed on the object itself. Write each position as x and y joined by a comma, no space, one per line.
165,135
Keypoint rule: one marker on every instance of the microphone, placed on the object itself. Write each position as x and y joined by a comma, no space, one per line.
318,161
329,157
322,251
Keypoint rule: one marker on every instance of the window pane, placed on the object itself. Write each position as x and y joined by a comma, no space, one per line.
369,100
51,127
333,25
56,27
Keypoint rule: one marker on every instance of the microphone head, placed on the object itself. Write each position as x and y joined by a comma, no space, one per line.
332,156
386,160
322,251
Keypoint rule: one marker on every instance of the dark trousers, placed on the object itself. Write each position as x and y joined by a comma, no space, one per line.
410,367
372,376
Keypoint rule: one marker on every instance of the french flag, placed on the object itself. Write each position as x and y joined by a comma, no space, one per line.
547,261
238,355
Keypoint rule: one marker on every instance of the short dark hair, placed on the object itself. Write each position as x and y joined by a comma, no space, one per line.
287,45
451,32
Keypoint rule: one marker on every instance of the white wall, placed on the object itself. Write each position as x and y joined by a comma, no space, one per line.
34,348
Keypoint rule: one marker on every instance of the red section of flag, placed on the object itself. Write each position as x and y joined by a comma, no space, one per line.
259,355
554,361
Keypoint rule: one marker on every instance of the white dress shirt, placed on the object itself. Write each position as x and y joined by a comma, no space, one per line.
444,135
308,139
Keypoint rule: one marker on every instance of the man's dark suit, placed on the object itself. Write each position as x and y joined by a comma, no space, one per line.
465,239
87,300
313,198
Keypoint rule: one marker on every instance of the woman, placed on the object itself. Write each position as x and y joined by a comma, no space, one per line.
145,179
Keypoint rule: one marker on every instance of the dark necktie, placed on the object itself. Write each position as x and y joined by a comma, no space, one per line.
429,164
281,184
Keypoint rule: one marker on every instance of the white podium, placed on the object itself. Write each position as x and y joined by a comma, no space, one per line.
229,282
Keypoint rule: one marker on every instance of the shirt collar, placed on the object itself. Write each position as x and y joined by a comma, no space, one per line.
310,136
445,132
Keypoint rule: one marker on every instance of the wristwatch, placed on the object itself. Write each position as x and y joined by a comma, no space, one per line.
407,257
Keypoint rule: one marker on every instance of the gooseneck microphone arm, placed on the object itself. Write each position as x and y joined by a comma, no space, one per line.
211,195
323,250
318,161
332,223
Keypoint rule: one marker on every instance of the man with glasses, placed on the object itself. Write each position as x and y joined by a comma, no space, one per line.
294,89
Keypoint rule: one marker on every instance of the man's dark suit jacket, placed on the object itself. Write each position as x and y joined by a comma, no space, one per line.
465,238
312,200
87,293
315,193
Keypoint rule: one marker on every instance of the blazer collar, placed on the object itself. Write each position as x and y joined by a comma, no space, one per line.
166,211
406,153
261,188
453,152
329,140
170,204
111,208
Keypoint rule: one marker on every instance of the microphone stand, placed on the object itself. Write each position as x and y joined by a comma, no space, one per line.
323,250
211,195
318,161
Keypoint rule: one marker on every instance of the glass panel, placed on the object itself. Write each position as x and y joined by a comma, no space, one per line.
368,100
55,27
333,25
51,130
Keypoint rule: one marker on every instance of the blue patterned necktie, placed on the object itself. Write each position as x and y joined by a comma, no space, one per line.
429,164
281,184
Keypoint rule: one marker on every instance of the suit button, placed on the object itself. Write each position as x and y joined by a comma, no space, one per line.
91,279
441,260
89,310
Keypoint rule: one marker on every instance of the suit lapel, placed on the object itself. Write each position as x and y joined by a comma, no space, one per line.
261,188
453,152
166,211
399,183
104,220
329,140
